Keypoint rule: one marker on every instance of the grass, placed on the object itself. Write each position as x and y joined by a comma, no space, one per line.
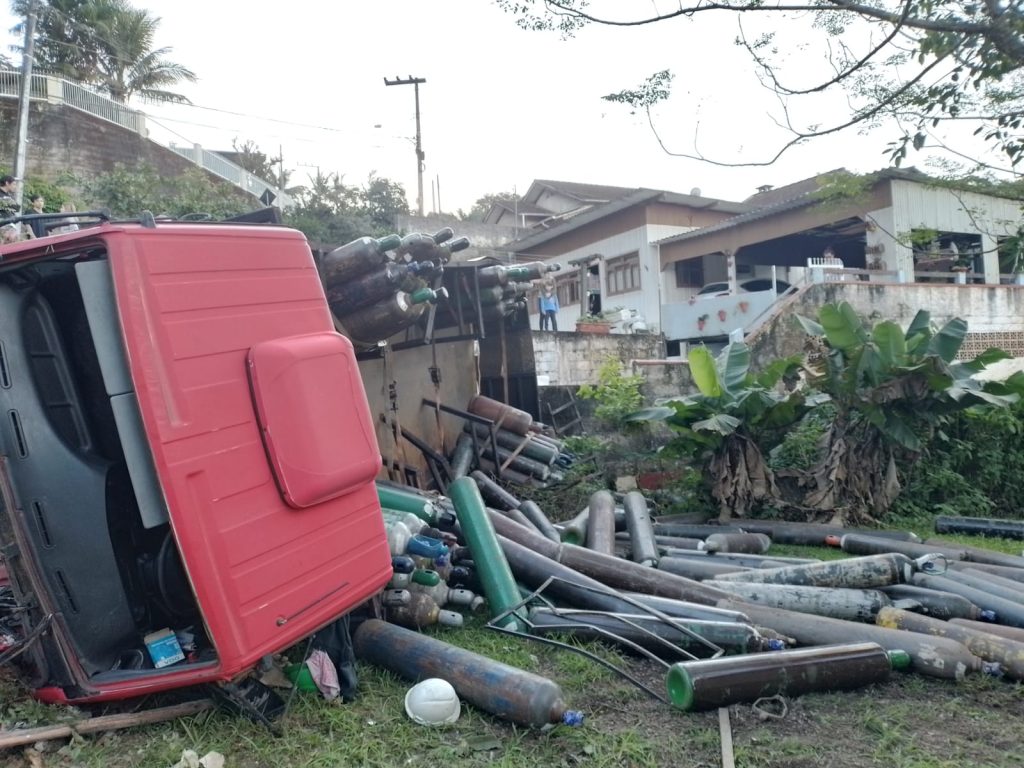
908,722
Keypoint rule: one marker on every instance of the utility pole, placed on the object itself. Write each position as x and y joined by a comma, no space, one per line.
415,82
21,153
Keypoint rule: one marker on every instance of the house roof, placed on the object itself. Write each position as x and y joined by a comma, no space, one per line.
574,220
800,194
585,193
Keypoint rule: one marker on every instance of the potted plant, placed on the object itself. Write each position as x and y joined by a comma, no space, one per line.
593,324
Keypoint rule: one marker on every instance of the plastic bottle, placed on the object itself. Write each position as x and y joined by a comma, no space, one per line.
398,536
411,521
426,547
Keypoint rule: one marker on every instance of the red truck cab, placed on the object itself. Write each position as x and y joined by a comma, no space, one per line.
185,444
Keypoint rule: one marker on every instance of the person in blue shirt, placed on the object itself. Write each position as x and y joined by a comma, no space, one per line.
548,307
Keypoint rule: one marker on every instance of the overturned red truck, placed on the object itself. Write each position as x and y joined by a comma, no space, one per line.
187,453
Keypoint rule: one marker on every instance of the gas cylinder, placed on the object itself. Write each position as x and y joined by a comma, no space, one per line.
501,275
862,572
421,611
940,605
407,500
1008,653
512,419
426,547
386,318
356,258
601,522
849,604
502,690
643,548
411,521
367,289
744,543
398,536
712,683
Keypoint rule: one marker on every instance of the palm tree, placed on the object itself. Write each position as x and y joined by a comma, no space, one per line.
108,44
127,63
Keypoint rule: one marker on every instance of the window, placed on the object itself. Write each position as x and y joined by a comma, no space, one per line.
690,273
623,274
568,289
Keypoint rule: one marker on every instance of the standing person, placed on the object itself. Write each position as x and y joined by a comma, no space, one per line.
548,306
38,227
8,205
70,224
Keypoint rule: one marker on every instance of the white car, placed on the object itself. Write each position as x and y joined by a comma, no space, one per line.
746,286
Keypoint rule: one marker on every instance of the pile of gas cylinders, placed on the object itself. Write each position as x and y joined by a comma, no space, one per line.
728,620
520,450
379,287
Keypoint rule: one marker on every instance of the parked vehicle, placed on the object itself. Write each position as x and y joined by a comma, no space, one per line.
745,286
188,457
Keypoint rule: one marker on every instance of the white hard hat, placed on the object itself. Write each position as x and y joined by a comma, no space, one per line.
433,702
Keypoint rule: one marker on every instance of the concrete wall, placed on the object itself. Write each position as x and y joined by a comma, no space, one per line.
994,313
64,140
575,358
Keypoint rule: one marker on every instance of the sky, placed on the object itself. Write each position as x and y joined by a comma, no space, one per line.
500,107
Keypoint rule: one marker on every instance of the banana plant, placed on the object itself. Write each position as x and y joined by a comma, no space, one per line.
729,418
891,389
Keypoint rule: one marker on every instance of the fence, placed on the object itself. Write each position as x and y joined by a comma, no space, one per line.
57,90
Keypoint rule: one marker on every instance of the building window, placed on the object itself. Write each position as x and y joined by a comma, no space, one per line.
690,273
623,274
568,289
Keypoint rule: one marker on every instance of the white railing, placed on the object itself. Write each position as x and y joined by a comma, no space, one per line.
57,90
221,166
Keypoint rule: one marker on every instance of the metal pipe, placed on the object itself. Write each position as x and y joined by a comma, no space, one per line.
697,568
539,520
980,526
608,569
650,632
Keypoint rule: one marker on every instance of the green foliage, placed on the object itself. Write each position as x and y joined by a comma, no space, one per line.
972,468
330,212
54,194
257,162
616,394
483,205
725,424
127,192
801,448
108,44
932,65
